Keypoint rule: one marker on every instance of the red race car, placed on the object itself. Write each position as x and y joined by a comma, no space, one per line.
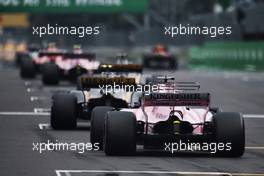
160,58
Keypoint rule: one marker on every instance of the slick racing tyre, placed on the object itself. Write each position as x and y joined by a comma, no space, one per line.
64,112
19,57
50,74
120,133
173,64
149,81
97,124
146,62
79,84
230,130
27,68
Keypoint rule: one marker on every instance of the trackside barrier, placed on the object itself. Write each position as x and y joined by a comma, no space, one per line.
229,55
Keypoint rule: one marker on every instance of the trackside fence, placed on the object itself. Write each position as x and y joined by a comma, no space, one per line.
229,55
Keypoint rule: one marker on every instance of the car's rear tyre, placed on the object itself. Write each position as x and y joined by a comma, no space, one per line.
149,80
79,84
64,112
50,74
120,133
229,129
27,68
173,64
145,63
97,124
19,57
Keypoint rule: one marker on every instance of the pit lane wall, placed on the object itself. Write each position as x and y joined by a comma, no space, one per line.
229,55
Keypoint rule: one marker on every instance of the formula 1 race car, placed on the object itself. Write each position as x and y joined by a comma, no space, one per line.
167,119
59,65
67,66
110,70
97,90
55,64
32,64
160,58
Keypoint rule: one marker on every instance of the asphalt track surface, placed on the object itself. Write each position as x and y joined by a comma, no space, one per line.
24,120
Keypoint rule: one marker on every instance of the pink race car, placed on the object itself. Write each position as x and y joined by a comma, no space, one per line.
68,66
32,64
55,64
60,65
168,119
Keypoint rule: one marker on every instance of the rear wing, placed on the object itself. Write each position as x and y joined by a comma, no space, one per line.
169,83
177,99
178,86
68,55
158,56
81,55
50,54
120,68
97,82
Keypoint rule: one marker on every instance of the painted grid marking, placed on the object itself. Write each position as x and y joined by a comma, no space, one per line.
68,172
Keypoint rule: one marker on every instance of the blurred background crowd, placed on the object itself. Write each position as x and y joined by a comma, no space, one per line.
135,26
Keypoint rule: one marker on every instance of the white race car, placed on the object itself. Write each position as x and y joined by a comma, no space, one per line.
104,89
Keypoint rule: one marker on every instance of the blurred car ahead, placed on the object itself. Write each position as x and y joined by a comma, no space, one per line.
69,106
31,60
54,65
67,66
160,57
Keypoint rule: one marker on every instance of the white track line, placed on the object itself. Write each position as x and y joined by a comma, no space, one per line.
30,90
38,98
36,112
255,148
257,116
44,126
68,172
25,113
41,110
